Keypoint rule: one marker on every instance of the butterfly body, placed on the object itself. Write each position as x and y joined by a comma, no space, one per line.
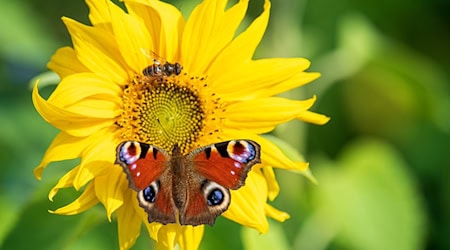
190,189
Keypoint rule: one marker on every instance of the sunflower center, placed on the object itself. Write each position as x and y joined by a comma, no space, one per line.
162,112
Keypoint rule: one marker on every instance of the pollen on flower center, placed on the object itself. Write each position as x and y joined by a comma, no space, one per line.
162,112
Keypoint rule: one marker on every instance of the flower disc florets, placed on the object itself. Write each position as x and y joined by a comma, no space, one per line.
163,111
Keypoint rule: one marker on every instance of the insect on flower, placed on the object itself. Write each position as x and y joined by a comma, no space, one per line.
160,66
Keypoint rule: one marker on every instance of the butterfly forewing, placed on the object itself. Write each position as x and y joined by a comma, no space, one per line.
141,162
226,163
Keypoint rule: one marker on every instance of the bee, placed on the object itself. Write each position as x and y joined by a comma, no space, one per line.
160,67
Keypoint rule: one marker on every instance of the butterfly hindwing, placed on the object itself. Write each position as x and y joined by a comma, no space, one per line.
157,201
203,207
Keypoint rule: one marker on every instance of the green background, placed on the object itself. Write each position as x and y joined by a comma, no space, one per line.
382,162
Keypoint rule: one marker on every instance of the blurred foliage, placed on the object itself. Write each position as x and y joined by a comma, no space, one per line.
381,162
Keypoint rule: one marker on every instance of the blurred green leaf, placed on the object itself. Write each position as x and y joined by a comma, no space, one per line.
225,234
9,214
23,38
48,231
274,239
370,200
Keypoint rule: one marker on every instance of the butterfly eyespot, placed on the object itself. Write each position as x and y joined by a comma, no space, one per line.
150,192
241,151
215,194
215,197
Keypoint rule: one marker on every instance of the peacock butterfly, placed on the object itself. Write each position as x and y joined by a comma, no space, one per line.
190,189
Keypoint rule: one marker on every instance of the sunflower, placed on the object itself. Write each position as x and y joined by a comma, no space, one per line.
106,96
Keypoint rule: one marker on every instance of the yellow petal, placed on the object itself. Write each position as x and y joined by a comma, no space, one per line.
187,237
128,221
65,62
296,81
99,12
72,123
276,214
88,171
190,237
98,51
99,108
77,87
208,30
63,147
86,200
242,48
132,39
273,156
312,117
263,114
246,80
248,202
64,182
272,184
98,156
164,235
110,189
164,23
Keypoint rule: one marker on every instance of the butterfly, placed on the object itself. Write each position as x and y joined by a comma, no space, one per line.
192,189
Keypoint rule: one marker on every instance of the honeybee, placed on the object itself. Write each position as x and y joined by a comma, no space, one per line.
160,67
